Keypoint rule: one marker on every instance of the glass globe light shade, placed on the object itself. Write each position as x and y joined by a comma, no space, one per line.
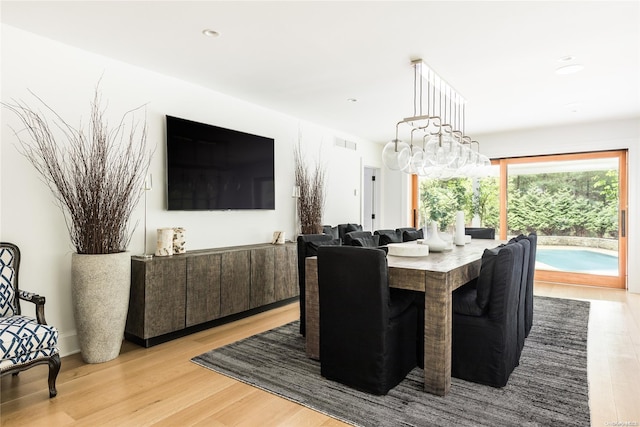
441,151
470,163
396,155
483,166
417,162
484,160
461,158
432,172
448,173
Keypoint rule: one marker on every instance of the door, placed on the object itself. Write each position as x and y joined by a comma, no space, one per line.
577,205
370,199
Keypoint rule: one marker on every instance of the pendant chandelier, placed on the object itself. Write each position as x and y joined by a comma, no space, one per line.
438,146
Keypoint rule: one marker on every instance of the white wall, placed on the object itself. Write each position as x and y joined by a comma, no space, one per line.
65,78
598,136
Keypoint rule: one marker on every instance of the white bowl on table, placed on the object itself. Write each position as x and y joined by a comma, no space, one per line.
408,249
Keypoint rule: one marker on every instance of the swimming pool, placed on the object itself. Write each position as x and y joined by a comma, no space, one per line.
577,261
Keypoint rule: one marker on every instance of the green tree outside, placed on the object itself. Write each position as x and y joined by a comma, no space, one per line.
441,199
559,204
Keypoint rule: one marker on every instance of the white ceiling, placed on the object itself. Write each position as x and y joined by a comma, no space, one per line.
307,59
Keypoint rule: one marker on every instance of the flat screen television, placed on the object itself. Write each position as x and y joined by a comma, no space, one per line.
213,168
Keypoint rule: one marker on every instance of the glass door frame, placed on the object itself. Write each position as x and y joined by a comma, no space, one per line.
619,281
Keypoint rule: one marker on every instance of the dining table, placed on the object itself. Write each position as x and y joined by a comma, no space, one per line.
437,275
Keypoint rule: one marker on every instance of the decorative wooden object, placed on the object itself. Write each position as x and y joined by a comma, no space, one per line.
179,242
164,242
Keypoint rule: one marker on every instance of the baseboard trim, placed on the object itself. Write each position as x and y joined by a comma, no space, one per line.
68,343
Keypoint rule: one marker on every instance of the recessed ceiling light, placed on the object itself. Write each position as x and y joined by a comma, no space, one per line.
573,107
570,69
210,33
352,100
567,58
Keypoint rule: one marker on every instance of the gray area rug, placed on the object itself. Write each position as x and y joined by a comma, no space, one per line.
548,388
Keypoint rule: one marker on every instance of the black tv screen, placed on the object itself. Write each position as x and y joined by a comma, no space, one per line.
213,168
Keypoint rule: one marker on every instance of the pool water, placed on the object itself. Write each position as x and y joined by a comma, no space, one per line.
578,261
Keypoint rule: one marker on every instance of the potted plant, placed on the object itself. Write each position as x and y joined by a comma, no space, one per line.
310,194
96,175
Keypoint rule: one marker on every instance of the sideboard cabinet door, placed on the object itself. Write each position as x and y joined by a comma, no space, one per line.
235,282
203,288
157,299
262,277
286,272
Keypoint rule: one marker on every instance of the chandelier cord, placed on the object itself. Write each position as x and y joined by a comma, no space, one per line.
415,84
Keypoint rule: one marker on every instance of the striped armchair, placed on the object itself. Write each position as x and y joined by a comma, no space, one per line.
24,341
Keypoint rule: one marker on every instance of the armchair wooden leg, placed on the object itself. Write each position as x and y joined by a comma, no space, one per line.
54,368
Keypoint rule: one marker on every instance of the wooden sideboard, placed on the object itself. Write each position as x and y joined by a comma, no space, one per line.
181,294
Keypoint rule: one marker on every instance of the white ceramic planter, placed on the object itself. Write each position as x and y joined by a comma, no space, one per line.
100,293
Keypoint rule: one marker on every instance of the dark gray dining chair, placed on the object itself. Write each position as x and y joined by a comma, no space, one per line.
307,245
485,319
480,232
367,330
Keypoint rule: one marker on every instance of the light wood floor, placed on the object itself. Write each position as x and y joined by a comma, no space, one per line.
160,386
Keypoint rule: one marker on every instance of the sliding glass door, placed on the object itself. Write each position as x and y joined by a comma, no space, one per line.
576,203
577,206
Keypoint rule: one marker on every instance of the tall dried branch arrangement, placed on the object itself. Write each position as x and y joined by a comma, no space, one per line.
96,175
312,196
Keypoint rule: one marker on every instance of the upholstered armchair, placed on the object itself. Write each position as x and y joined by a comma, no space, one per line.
367,330
24,341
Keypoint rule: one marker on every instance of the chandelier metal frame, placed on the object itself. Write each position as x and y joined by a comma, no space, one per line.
446,151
